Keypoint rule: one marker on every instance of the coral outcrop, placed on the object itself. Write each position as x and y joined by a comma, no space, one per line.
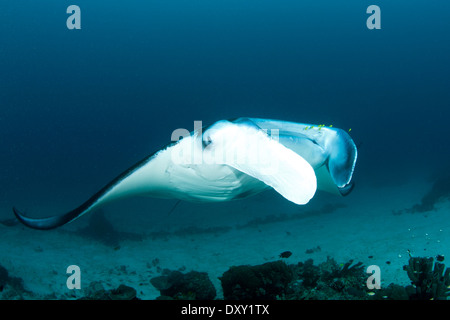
430,279
193,285
11,288
96,291
266,281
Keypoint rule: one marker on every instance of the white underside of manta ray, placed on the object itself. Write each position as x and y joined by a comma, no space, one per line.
231,160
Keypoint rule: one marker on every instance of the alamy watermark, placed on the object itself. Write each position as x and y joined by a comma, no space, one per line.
374,20
74,278
232,145
374,280
74,20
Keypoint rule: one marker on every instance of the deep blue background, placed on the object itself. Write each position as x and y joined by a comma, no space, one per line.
77,107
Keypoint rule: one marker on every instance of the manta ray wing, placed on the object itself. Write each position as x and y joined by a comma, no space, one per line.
250,150
301,159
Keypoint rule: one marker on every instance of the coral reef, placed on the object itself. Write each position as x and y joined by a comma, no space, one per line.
394,292
4,276
193,285
328,281
266,281
429,282
332,281
11,287
277,280
96,291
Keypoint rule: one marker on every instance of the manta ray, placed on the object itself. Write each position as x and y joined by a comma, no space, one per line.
232,159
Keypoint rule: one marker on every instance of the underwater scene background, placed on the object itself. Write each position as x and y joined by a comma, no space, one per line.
78,107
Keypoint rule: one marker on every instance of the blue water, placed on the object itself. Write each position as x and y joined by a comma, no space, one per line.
77,107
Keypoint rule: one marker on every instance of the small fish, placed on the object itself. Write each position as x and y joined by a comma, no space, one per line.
285,254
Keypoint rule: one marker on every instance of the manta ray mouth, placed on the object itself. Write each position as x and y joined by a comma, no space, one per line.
345,191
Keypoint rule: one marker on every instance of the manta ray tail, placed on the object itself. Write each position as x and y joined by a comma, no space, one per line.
49,222
57,221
